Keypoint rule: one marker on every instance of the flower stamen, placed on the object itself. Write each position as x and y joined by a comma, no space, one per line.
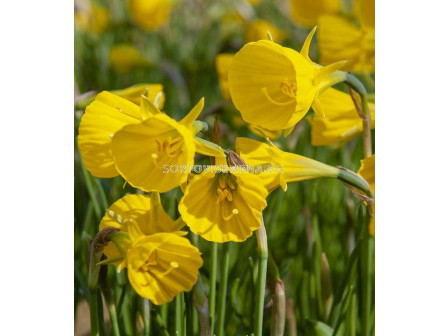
265,91
225,190
288,88
173,265
233,213
168,147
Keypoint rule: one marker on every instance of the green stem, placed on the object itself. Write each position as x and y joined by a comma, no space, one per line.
101,314
164,314
367,293
161,324
113,319
214,263
93,305
91,191
351,317
357,85
108,294
189,308
223,289
178,313
125,311
261,281
146,312
102,194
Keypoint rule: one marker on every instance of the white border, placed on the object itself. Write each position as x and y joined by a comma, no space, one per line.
36,155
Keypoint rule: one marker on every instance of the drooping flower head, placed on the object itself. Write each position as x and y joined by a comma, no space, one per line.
337,120
161,263
273,87
223,206
141,144
306,12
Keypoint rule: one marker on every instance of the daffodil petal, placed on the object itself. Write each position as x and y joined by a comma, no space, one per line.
102,119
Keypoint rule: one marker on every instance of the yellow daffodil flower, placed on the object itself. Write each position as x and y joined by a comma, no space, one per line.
339,39
367,170
306,12
146,213
222,63
257,30
337,120
223,206
154,155
163,265
125,57
160,262
141,144
95,19
150,15
273,87
294,167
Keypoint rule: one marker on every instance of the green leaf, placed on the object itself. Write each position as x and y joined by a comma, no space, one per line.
320,329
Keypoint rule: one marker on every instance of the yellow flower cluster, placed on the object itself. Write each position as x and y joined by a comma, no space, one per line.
126,133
